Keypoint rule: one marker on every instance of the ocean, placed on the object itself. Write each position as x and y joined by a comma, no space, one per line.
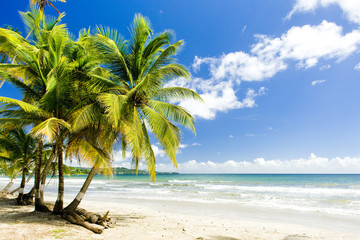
325,193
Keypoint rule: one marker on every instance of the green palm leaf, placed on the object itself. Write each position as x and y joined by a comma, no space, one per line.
50,128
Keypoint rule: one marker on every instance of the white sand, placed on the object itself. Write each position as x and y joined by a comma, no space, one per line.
172,220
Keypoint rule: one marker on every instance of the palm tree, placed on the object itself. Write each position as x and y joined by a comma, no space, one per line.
22,150
138,102
10,169
55,87
43,3
124,100
30,75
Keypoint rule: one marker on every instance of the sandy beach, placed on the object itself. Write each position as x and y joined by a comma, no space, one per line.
170,221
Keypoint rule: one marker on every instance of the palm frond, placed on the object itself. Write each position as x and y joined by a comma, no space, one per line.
50,128
167,133
174,113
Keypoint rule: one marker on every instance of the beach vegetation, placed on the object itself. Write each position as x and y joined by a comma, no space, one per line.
83,97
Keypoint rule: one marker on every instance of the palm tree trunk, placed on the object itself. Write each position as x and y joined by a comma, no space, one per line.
44,175
22,186
38,203
28,198
30,176
8,186
59,204
28,179
75,203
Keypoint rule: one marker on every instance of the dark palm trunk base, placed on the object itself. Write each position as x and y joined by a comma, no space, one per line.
59,204
19,199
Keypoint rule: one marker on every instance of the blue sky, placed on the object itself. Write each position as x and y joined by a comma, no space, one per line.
280,79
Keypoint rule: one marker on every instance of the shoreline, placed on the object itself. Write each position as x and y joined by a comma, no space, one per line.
171,220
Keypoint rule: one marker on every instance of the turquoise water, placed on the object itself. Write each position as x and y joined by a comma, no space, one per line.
338,194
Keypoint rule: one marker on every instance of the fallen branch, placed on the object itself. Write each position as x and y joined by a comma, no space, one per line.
74,218
92,221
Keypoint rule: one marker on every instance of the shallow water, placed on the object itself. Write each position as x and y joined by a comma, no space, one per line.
335,194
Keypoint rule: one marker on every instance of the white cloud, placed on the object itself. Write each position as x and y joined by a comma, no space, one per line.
307,44
316,82
219,96
351,8
357,67
303,45
157,151
312,164
182,146
196,144
231,136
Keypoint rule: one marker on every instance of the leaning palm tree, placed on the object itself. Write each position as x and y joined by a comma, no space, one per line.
124,112
138,102
6,164
22,151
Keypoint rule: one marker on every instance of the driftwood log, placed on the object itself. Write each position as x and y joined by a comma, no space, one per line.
93,221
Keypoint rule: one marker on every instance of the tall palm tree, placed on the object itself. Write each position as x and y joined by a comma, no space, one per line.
138,102
123,97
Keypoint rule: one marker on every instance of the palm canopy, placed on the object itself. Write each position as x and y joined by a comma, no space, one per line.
53,73
136,101
43,3
19,148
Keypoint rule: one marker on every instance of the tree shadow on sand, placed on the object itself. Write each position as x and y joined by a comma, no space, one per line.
12,213
221,238
296,237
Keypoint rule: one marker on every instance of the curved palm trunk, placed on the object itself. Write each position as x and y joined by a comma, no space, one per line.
75,203
59,204
28,179
8,186
22,186
44,175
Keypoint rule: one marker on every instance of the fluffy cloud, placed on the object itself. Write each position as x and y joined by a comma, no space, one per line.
242,66
316,82
312,164
219,96
303,45
119,161
351,8
307,44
